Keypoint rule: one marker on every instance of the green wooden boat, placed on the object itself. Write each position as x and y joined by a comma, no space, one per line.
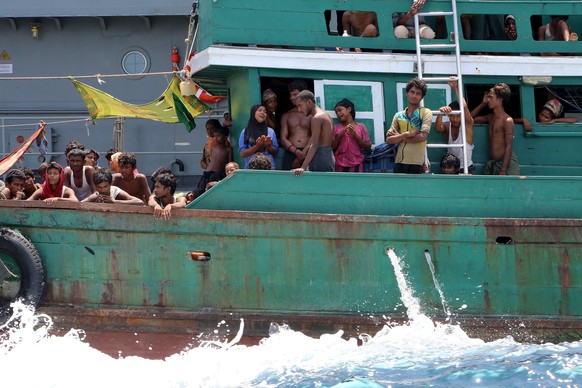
311,251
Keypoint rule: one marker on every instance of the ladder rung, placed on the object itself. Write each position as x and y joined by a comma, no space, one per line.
436,13
439,79
453,112
444,145
437,45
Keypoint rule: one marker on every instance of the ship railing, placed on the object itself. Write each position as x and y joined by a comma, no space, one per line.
290,26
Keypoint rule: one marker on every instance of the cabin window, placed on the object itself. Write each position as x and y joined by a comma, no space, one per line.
488,27
135,62
353,23
280,87
569,98
475,93
333,22
367,97
539,24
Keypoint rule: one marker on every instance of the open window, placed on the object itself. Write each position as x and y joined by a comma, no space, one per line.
489,27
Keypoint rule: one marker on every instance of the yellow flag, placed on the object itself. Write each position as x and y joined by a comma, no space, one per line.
102,105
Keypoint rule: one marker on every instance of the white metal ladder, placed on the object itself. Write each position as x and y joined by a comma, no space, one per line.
458,77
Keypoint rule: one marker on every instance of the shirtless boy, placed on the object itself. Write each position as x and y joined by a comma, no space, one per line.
107,193
14,185
163,199
78,176
29,185
503,160
364,24
219,158
319,155
133,183
295,130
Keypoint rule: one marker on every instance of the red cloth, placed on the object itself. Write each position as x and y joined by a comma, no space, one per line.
47,190
8,162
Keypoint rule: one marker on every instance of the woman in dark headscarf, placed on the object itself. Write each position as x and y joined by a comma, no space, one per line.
53,188
257,137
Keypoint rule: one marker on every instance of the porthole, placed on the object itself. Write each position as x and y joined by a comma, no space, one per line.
135,62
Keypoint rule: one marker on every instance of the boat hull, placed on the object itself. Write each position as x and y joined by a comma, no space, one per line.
113,268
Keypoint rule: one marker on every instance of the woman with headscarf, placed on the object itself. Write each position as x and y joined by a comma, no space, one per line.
552,112
257,137
53,188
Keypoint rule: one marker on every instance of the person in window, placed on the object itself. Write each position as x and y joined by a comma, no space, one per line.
404,23
552,112
557,29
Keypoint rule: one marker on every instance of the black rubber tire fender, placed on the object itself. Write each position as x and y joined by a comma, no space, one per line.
32,269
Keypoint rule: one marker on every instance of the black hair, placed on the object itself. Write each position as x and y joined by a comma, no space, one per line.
418,83
127,158
159,171
297,84
214,122
27,171
54,165
15,174
72,145
455,105
347,104
305,95
102,176
260,162
502,91
110,153
168,180
77,152
224,131
450,160
92,151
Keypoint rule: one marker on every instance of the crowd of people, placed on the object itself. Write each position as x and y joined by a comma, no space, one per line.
81,180
309,137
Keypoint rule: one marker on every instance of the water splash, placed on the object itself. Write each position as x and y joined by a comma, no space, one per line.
417,354
437,285
406,295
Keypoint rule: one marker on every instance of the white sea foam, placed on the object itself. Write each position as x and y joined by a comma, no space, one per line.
419,353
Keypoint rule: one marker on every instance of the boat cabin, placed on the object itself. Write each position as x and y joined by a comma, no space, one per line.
299,39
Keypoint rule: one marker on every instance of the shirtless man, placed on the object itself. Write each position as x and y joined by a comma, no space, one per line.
107,193
319,155
133,183
78,176
503,160
163,199
295,130
14,185
29,185
364,24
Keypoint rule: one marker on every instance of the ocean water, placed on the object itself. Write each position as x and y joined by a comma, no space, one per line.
419,354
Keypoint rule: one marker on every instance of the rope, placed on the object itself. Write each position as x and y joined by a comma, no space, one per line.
98,76
52,122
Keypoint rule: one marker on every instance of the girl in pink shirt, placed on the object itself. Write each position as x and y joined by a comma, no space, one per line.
349,139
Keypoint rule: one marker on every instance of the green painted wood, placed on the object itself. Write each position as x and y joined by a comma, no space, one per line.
360,95
396,194
300,23
301,263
